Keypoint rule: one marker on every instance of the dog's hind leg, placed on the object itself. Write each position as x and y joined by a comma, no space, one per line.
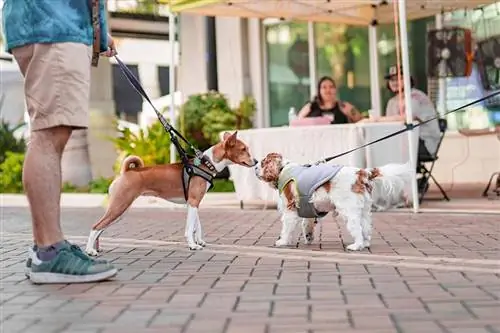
366,223
118,204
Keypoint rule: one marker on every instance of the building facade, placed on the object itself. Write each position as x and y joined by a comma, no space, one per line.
269,59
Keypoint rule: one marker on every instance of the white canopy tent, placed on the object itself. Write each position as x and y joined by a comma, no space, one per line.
352,12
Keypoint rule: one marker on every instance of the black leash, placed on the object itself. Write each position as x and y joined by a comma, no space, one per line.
408,127
190,169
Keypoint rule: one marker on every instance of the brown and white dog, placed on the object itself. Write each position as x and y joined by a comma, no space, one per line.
346,191
165,181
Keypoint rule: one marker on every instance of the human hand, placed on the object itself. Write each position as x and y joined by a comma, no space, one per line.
111,52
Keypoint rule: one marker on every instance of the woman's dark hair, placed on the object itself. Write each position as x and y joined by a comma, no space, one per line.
412,85
318,99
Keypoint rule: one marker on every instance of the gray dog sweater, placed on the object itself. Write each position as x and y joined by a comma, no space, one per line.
307,178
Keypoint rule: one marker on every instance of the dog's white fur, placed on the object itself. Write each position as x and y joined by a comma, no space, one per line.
387,190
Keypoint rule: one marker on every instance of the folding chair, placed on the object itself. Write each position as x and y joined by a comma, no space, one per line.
423,183
495,189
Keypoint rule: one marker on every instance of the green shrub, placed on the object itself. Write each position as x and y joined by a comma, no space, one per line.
222,185
204,116
11,173
152,145
194,110
100,185
8,142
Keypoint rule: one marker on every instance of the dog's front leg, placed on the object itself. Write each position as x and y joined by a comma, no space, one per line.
198,232
308,230
289,221
191,224
92,247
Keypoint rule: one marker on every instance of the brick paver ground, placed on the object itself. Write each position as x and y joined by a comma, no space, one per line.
424,273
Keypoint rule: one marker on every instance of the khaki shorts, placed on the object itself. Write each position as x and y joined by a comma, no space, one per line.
56,83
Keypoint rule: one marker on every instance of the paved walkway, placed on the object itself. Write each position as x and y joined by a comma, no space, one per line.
425,273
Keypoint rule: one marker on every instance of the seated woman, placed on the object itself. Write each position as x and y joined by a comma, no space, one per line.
422,109
325,104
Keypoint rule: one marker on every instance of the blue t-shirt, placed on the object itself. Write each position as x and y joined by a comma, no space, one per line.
51,21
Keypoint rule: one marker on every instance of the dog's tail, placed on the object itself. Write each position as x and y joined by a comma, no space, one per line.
390,184
131,162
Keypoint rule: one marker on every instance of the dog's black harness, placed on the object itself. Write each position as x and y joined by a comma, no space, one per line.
191,166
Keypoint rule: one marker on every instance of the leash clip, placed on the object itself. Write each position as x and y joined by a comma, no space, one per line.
410,126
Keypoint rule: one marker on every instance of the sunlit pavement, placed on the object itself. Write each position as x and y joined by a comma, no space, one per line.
423,273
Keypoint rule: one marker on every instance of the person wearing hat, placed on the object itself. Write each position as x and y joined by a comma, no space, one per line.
422,109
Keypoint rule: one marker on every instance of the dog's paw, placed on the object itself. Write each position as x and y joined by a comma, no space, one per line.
281,242
92,252
201,242
355,247
366,244
195,247
308,238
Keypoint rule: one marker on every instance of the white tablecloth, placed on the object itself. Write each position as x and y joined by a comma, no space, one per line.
309,144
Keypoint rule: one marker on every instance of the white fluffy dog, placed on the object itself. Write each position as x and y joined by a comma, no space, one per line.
310,192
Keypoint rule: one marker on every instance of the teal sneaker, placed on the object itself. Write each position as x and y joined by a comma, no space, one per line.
69,267
77,250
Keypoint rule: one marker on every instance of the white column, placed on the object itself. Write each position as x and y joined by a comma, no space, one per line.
407,93
171,79
374,70
192,55
102,114
232,62
441,107
312,58
256,64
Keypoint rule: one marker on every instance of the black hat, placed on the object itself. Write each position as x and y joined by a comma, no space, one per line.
393,70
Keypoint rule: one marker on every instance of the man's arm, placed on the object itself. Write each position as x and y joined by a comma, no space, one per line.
103,21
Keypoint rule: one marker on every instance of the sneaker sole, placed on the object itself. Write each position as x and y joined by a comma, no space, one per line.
47,278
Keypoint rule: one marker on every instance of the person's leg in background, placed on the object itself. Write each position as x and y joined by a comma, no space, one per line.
57,88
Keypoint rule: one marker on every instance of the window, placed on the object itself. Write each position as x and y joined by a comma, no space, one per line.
464,90
164,80
127,101
343,53
288,69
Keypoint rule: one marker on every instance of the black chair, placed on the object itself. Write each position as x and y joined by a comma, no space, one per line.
496,189
423,160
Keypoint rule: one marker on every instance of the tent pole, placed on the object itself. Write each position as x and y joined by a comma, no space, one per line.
374,69
312,59
407,97
171,79
441,81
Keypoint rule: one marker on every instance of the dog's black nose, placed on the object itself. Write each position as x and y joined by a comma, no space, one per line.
255,161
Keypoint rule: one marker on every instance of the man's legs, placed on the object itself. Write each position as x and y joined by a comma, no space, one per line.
57,88
42,182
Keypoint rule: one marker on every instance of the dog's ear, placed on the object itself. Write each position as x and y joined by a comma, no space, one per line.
230,139
271,169
226,136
